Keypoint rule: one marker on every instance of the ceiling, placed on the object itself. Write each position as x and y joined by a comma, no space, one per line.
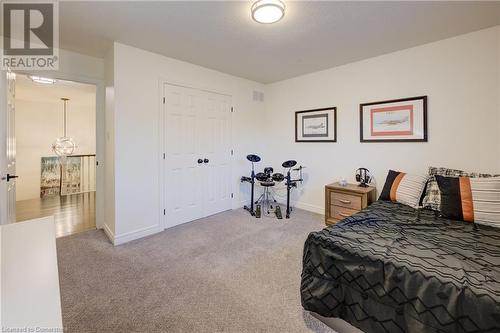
312,36
78,93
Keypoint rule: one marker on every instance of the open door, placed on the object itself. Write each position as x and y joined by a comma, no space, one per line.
7,148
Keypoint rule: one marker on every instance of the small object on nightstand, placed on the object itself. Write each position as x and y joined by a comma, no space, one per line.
344,201
343,182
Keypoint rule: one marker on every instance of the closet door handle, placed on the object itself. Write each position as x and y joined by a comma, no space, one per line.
200,161
206,160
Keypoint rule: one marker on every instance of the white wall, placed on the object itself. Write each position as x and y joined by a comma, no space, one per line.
109,147
460,76
75,65
137,103
38,123
498,86
86,69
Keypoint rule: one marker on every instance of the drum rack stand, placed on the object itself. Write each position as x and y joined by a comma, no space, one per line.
251,180
290,183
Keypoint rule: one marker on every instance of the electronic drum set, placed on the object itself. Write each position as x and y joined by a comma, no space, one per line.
267,180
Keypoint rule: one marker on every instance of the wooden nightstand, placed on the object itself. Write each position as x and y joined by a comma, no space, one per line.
344,201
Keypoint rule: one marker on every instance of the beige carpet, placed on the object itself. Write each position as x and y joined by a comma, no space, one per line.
225,273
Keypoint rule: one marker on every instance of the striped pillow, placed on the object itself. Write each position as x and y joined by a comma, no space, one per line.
471,199
403,188
432,198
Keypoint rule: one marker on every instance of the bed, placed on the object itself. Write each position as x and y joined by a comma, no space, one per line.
393,268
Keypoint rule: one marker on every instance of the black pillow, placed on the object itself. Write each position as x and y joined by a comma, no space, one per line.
456,198
389,183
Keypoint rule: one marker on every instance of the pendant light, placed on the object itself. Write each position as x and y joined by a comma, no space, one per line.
64,146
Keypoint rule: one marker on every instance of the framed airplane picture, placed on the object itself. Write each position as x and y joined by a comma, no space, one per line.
399,120
317,125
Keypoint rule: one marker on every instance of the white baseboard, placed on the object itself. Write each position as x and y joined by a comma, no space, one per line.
309,207
298,204
130,236
133,235
303,206
109,233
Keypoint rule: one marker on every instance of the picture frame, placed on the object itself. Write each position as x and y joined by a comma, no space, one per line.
316,125
397,120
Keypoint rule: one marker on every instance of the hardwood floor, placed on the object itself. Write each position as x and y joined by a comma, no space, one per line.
73,213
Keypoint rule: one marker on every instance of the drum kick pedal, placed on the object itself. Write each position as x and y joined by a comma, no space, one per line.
249,210
258,212
278,212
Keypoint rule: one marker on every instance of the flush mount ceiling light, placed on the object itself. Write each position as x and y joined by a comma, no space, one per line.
44,80
268,11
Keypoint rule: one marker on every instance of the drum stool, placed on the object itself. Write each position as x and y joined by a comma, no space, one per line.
266,199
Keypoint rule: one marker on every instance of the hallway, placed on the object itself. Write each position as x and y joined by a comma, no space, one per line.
72,214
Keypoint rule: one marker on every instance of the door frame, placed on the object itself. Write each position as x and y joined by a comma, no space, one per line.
3,152
161,142
99,131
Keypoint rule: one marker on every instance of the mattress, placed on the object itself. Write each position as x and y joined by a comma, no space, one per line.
392,268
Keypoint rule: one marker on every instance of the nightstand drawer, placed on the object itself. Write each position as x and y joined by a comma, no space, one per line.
341,213
345,200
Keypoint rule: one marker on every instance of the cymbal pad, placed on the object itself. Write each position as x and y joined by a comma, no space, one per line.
289,164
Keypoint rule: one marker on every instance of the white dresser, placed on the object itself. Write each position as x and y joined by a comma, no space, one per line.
30,296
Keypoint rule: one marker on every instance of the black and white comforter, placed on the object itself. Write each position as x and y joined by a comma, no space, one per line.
392,268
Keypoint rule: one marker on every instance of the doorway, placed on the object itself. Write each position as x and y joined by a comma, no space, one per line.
48,184
198,153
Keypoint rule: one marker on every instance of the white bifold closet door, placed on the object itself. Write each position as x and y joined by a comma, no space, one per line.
197,164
